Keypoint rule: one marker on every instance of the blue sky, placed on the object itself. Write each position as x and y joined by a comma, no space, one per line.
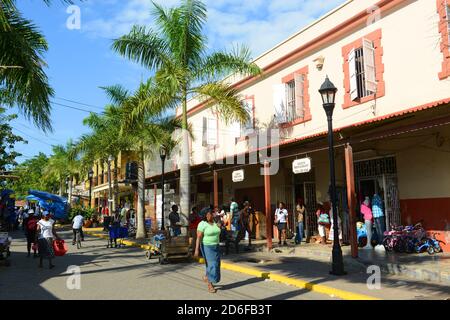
80,61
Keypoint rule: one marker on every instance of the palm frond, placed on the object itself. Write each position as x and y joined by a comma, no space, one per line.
117,94
225,100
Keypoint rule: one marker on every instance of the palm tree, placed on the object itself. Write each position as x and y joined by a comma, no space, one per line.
143,134
177,51
61,166
23,81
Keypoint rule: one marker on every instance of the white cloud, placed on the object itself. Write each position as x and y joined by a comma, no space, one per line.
260,24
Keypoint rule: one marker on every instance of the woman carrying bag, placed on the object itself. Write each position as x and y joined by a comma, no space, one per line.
46,233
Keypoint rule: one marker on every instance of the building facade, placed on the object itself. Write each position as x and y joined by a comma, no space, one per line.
391,120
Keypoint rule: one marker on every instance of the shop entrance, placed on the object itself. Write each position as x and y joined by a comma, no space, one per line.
379,176
305,188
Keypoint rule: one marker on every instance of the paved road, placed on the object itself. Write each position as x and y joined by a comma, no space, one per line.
124,273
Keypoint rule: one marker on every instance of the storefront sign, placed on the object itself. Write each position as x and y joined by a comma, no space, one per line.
238,176
301,165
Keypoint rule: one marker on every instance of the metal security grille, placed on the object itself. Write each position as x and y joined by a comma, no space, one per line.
290,101
361,83
311,206
375,167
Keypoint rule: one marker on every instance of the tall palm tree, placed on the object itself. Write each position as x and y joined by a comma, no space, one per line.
144,134
23,81
177,51
61,166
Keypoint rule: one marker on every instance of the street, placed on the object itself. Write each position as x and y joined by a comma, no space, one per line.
125,273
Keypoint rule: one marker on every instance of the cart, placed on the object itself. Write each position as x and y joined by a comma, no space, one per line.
168,248
5,243
117,232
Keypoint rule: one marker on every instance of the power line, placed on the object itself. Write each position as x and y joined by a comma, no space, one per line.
80,103
75,108
31,137
25,126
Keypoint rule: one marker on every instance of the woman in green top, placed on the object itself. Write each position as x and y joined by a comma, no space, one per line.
208,234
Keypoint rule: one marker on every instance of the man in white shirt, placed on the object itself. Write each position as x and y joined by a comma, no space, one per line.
77,224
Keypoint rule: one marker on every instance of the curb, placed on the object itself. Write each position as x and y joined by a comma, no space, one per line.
346,295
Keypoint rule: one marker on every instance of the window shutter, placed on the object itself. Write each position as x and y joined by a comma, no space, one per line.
369,66
236,129
299,95
248,127
279,102
205,131
212,132
353,75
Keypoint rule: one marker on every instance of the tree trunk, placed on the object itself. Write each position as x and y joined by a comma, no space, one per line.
110,209
185,165
116,186
69,193
141,232
60,188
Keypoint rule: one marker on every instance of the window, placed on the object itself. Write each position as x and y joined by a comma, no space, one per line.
291,99
443,10
209,132
362,71
247,128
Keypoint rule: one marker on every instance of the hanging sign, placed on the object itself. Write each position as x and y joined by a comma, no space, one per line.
238,176
301,165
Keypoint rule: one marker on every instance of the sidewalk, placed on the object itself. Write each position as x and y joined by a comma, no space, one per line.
308,267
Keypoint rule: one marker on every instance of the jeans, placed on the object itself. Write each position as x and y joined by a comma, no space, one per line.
211,253
368,224
380,225
299,237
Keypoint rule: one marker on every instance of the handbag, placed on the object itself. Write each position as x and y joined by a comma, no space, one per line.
59,247
324,219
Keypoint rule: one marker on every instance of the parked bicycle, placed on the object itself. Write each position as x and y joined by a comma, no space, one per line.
430,245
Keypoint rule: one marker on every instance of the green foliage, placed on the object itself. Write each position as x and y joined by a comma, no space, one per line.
8,141
87,213
31,176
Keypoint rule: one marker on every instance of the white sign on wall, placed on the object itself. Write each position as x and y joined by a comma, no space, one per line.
301,165
238,175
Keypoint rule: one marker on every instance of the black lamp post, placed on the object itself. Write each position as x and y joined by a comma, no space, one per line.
328,93
90,176
163,155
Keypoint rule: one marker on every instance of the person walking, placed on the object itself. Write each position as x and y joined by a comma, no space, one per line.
77,226
175,224
366,211
300,210
30,225
194,221
246,214
323,221
46,233
378,216
281,217
208,238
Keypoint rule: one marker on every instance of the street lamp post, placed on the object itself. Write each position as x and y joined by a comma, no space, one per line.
90,175
162,154
328,93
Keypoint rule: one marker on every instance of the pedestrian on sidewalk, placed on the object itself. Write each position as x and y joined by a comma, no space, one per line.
46,234
208,238
175,224
30,225
246,214
301,212
236,224
194,221
281,218
77,226
366,211
323,221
